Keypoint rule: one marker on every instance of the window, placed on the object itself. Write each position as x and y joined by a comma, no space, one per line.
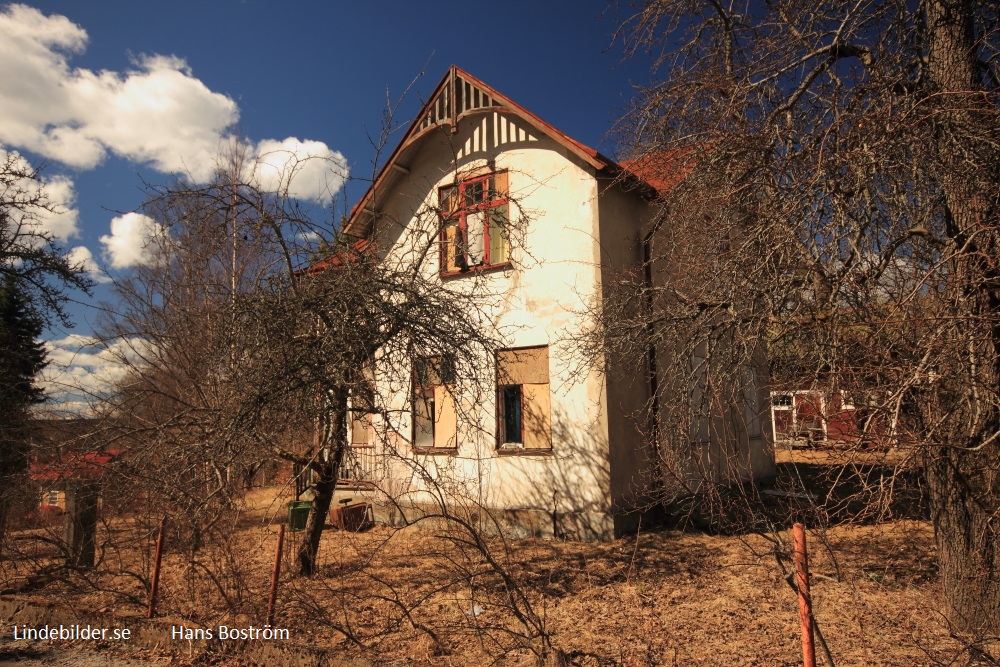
361,429
434,416
476,214
53,498
781,400
523,419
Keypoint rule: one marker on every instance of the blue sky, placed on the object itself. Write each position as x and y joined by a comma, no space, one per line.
109,93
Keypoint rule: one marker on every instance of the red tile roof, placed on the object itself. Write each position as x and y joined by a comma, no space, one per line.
75,465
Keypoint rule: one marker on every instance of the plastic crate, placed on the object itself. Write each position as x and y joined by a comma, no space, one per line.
298,514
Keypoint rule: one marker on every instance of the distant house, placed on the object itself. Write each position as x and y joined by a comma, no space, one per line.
65,455
810,416
71,468
550,450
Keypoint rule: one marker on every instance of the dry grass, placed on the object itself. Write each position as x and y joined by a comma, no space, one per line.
659,598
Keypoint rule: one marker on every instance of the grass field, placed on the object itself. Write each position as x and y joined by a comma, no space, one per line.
661,597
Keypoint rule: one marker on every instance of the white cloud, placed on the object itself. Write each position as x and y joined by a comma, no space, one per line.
81,255
131,239
304,169
83,367
59,218
156,113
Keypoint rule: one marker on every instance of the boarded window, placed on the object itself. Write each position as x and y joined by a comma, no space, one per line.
361,429
524,419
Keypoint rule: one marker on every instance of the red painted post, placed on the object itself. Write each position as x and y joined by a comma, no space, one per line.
805,601
275,574
156,570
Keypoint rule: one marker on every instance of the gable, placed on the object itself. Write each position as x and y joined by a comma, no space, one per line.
458,96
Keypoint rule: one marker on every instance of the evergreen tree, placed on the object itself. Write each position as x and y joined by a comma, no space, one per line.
21,358
24,355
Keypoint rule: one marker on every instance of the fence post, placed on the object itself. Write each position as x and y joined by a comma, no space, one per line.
805,601
275,575
155,587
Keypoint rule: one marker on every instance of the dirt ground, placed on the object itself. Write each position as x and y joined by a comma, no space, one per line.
430,596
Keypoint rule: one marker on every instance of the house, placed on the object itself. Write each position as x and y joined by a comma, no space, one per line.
60,449
809,415
539,223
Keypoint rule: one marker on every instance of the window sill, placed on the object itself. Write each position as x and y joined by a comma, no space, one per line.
477,269
524,452
447,451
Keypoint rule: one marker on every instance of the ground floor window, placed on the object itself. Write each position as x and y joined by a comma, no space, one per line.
524,419
435,420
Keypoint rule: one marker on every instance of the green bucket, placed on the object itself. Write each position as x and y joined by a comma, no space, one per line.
298,514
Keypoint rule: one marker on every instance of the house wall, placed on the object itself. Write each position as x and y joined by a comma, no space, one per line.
557,259
633,466
734,442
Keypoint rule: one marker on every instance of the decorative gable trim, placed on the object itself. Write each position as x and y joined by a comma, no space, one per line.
458,95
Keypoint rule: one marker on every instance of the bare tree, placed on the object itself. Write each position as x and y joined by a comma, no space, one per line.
254,321
841,165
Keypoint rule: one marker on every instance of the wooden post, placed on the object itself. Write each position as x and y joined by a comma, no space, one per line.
81,522
805,601
275,574
155,587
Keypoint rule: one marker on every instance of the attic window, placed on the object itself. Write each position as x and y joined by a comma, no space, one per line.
476,215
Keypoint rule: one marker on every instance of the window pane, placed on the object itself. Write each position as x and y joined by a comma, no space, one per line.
423,417
451,248
476,236
359,429
537,428
445,418
474,193
499,242
510,406
449,199
500,185
434,371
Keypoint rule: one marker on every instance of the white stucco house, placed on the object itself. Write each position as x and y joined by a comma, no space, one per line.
553,451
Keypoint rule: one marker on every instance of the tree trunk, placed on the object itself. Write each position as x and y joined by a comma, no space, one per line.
966,540
962,475
335,440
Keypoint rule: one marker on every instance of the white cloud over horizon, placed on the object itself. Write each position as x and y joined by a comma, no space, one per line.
83,368
156,113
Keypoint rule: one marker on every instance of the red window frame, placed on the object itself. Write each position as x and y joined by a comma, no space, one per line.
458,201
